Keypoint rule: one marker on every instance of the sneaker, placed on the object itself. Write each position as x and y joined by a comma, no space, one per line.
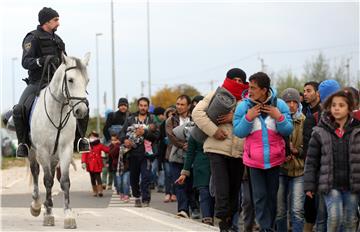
173,198
145,204
83,145
22,150
138,202
195,214
167,198
182,214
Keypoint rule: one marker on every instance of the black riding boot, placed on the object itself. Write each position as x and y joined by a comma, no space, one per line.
82,143
22,131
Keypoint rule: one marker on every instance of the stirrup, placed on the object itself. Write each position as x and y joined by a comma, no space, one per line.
25,153
85,148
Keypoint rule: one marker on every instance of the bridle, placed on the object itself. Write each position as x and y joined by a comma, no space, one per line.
66,102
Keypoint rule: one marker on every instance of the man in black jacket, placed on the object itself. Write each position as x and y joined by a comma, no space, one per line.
115,120
42,49
141,132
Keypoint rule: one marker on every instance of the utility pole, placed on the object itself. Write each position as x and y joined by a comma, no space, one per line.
113,56
97,83
148,44
142,88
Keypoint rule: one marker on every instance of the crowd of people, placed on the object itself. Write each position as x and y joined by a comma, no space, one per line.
275,161
279,160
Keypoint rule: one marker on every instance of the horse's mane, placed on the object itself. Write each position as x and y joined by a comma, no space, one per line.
79,65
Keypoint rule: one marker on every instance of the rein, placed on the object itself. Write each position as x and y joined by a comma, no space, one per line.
68,98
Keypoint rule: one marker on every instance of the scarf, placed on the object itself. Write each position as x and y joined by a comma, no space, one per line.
235,88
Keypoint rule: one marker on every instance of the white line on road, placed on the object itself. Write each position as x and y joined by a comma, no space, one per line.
154,219
13,183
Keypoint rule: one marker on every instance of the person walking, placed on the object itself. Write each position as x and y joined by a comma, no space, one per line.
92,162
224,149
332,163
176,150
263,120
140,133
291,196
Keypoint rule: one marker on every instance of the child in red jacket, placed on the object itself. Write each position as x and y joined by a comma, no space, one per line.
92,162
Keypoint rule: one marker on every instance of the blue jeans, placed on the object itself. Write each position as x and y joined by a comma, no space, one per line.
321,214
342,208
169,186
206,202
182,191
122,183
265,184
235,222
154,171
292,189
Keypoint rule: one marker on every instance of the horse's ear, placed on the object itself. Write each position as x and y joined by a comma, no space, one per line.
86,58
64,59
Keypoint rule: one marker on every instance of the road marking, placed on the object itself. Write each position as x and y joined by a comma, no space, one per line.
13,183
154,219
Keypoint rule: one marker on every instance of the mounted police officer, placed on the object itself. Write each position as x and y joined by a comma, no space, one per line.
42,51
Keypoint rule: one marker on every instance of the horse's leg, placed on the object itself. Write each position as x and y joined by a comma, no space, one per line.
69,221
35,207
49,219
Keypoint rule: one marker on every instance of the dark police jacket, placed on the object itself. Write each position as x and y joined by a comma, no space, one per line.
39,43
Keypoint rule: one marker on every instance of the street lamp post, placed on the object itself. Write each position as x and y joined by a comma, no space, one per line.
148,46
97,84
13,78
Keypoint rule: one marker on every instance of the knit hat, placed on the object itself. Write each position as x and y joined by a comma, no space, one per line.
236,72
46,14
197,99
123,101
326,88
291,94
159,110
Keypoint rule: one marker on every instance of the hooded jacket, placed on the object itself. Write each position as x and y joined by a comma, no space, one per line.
264,146
327,152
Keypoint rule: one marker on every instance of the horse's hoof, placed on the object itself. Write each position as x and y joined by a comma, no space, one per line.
49,220
35,212
69,223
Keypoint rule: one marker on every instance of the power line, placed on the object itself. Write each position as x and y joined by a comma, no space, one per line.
257,54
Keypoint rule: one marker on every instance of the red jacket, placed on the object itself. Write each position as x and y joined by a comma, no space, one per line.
113,156
93,158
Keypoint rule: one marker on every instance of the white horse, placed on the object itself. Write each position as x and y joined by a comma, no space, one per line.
53,126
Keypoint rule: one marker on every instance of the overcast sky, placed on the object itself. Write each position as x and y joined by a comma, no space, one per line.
193,42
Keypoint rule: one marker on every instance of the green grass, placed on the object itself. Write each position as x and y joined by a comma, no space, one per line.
9,162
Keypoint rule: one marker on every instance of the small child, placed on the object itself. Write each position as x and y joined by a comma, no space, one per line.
122,174
113,158
92,162
332,166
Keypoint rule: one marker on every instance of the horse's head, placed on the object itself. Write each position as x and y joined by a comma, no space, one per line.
74,84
